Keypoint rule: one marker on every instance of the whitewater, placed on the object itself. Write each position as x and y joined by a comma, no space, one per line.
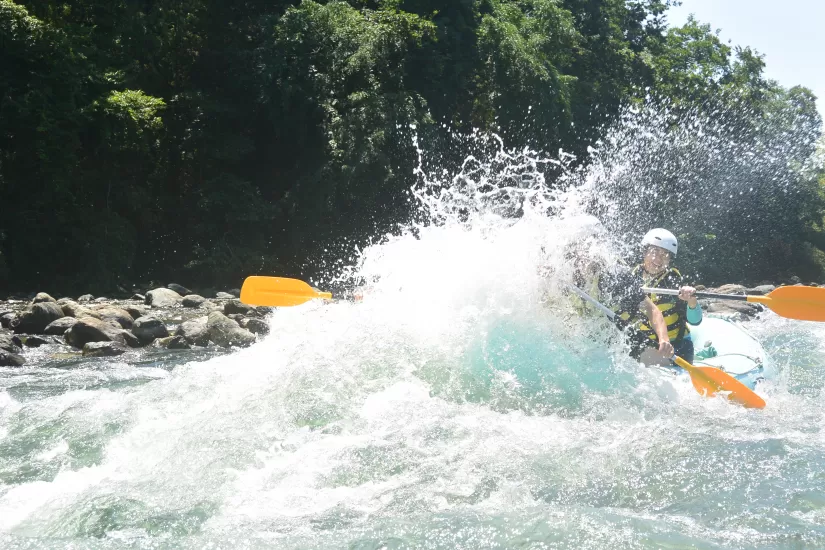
462,403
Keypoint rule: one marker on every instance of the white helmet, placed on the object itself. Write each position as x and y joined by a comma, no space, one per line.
661,238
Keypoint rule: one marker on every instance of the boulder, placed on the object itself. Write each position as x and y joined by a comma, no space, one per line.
86,298
11,359
182,290
224,296
163,297
58,327
103,349
194,331
115,314
743,309
139,297
35,319
148,328
35,342
136,311
761,290
6,319
237,307
8,344
193,300
255,326
226,333
177,342
234,292
73,309
730,289
101,300
43,297
237,317
89,329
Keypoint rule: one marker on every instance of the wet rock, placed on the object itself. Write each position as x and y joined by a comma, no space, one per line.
235,292
43,297
236,306
101,300
742,309
131,340
256,326
182,290
163,297
193,300
86,298
730,289
226,333
6,319
8,344
149,328
212,306
11,359
177,342
89,329
58,327
35,341
194,331
224,296
761,290
117,315
136,311
237,317
35,319
103,349
139,297
73,309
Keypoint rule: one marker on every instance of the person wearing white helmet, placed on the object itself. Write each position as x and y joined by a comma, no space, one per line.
660,246
606,279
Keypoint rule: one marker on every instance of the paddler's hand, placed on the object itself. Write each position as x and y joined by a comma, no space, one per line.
666,349
688,294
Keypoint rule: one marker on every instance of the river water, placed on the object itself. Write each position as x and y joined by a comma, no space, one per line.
461,404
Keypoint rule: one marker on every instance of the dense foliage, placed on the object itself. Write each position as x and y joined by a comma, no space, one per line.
209,140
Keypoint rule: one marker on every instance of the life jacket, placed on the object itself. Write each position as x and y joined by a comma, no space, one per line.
673,309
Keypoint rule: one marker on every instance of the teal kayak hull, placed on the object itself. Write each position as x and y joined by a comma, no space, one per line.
725,345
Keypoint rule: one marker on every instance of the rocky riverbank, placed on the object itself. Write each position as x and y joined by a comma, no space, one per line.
171,318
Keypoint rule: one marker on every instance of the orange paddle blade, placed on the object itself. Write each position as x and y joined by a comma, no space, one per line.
710,381
278,291
806,303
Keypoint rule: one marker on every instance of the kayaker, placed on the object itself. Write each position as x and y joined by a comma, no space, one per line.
618,288
659,247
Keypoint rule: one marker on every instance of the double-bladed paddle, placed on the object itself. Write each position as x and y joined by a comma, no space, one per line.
806,303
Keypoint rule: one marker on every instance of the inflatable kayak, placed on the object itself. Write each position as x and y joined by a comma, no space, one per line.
727,346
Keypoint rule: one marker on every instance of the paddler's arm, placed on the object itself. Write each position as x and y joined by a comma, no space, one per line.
694,310
657,321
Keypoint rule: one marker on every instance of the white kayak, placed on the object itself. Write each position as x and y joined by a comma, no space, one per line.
727,346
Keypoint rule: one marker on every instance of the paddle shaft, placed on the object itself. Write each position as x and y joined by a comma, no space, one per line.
675,292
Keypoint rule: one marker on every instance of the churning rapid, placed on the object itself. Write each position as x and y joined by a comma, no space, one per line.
460,404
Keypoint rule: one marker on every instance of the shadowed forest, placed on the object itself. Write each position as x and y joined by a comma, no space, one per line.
205,140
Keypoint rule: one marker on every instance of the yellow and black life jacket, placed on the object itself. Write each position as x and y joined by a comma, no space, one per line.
673,309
